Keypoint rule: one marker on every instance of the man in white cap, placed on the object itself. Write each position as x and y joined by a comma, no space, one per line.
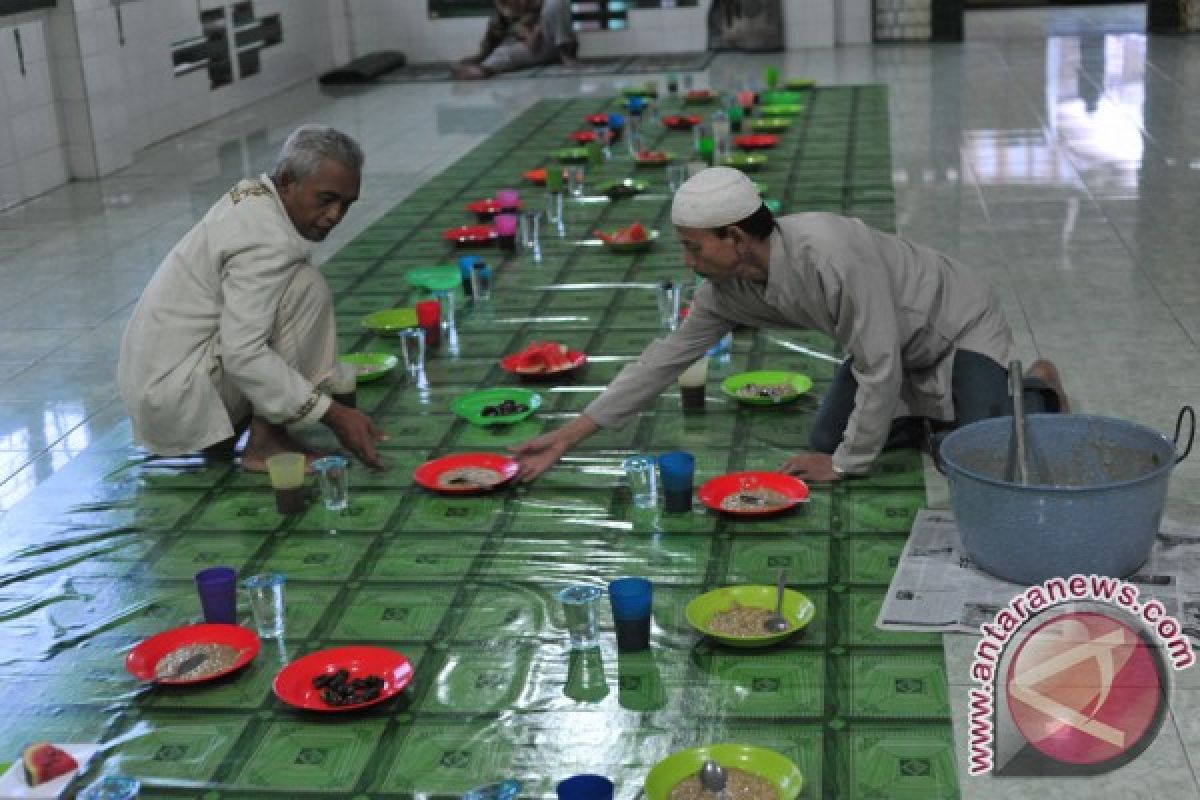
924,338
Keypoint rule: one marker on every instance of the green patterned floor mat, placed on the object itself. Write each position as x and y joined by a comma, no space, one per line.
465,585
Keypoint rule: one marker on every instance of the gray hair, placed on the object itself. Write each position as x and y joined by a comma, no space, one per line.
308,146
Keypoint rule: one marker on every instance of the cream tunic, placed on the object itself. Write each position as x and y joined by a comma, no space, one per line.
898,309
206,319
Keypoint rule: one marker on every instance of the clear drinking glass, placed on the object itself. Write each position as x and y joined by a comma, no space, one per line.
676,175
333,476
412,341
576,177
266,602
668,305
642,474
579,605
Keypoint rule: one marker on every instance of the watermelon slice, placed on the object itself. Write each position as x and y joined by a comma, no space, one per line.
45,762
634,233
541,357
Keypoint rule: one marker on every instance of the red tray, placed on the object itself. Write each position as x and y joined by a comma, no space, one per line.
717,489
576,357
470,234
755,141
428,473
142,659
490,207
293,684
681,123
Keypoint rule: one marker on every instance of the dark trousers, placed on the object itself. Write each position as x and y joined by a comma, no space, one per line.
980,391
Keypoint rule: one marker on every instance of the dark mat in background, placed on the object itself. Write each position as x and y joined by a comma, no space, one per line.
617,65
365,68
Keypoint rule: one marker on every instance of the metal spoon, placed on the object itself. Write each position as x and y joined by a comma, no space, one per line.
777,623
1017,388
712,778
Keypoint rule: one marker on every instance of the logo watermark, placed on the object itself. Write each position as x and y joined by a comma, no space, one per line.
1072,678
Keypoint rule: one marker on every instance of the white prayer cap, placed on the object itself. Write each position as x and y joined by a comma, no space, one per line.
713,198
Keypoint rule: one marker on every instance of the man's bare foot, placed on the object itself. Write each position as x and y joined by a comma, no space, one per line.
469,72
1046,372
266,440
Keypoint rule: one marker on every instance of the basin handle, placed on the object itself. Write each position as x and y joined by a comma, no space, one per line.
1189,412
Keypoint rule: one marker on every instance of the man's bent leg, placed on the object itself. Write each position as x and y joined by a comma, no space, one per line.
305,336
833,415
558,30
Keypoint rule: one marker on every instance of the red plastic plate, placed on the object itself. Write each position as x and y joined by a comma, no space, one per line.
583,137
293,684
490,206
470,234
428,473
536,176
142,659
717,489
755,141
652,157
597,119
509,364
681,123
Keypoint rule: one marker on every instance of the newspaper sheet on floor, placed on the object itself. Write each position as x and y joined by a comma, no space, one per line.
937,588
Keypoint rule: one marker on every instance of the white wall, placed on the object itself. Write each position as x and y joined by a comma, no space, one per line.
405,25
32,156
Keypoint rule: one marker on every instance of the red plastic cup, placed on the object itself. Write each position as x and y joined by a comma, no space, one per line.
429,313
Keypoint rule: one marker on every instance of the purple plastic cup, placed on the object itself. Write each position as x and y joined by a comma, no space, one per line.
218,594
508,199
506,224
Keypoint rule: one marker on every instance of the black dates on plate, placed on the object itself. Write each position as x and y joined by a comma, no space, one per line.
338,689
504,409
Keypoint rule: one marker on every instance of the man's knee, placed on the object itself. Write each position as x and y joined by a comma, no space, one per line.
307,294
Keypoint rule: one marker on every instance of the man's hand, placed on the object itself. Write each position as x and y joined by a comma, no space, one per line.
811,467
540,453
357,433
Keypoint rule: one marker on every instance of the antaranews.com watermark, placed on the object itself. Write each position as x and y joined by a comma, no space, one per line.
1079,686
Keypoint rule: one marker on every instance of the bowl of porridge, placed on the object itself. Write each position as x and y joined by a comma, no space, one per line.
751,773
753,493
734,615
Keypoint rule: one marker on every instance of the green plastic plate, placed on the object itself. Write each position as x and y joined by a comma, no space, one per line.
730,386
799,83
435,279
781,98
797,609
391,320
470,406
779,770
781,110
370,366
571,155
747,161
770,124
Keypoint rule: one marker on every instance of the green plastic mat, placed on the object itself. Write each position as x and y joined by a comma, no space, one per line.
609,65
464,586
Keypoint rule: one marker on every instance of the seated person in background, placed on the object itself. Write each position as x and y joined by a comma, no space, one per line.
925,339
520,34
236,326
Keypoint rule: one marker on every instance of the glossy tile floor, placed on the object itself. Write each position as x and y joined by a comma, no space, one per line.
1056,151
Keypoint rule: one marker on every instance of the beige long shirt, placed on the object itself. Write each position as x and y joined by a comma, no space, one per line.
898,309
209,309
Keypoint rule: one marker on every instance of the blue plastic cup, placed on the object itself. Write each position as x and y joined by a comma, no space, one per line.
676,471
465,265
585,787
616,121
632,600
218,594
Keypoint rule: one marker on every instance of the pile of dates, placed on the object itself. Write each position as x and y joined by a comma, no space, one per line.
338,689
505,409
